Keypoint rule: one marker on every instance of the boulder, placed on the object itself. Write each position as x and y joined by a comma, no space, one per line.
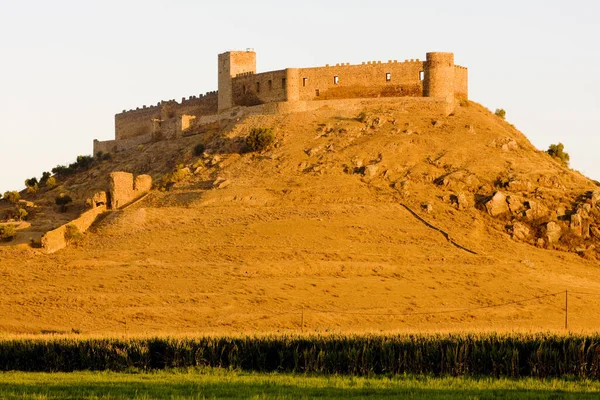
520,231
553,232
371,171
576,223
595,198
497,205
462,201
535,210
427,207
515,204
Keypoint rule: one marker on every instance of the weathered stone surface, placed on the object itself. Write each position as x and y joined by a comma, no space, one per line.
462,201
553,232
371,171
595,197
497,205
520,231
515,204
520,186
99,199
576,224
142,184
535,210
427,207
123,190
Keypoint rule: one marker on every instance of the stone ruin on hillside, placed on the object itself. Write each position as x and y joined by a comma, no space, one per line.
123,190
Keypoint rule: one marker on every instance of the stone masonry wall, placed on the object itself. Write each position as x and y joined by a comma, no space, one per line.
461,82
55,240
368,80
148,120
123,190
253,89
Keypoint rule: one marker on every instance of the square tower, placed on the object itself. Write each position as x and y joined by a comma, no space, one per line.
231,64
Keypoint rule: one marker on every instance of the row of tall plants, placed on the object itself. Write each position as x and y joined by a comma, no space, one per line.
512,356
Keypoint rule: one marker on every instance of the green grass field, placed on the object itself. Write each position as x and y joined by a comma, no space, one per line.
215,383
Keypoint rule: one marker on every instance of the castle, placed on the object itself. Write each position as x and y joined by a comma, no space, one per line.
433,83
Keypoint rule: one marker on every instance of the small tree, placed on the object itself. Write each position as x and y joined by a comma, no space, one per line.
557,151
500,113
12,196
51,183
7,233
260,139
22,214
44,178
62,200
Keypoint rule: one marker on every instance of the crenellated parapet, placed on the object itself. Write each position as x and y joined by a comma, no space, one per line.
241,86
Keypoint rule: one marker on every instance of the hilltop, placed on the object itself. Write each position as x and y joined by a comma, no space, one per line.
353,214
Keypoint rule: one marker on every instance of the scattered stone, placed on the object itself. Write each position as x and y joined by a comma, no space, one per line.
535,210
553,232
529,263
515,205
520,231
576,224
519,186
427,208
497,205
221,183
371,171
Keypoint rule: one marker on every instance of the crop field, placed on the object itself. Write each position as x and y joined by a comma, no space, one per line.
220,383
511,356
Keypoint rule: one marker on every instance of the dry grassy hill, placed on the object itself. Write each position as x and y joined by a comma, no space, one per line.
367,222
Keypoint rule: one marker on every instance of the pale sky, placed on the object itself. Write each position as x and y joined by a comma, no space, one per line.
66,67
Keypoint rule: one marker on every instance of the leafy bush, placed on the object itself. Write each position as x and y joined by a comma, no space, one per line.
260,139
73,234
62,170
500,113
45,176
51,183
12,196
199,149
102,156
62,200
7,233
557,151
31,182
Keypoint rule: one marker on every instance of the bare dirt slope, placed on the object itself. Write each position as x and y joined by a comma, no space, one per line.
367,222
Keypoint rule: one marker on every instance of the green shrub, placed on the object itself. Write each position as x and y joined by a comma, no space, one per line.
12,196
44,178
31,182
72,234
557,151
500,113
260,139
199,149
62,200
62,170
7,233
51,182
102,156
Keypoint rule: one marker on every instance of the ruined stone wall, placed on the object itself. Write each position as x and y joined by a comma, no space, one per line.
368,80
252,89
123,190
150,120
461,82
55,240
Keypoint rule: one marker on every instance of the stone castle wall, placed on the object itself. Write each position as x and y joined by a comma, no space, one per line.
149,120
240,86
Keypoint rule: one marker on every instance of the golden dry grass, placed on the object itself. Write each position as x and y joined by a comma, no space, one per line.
295,230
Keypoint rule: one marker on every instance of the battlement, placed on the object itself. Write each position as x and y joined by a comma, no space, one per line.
239,85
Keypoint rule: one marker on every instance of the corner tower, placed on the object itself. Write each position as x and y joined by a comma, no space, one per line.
439,76
231,64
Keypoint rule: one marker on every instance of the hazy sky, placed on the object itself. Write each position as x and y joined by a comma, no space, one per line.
66,67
